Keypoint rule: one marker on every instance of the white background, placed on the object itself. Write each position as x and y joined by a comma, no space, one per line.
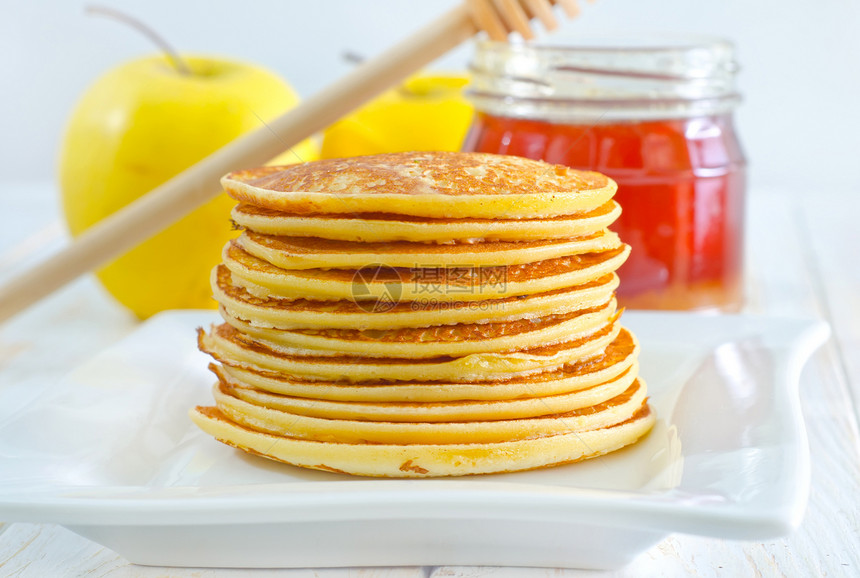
801,64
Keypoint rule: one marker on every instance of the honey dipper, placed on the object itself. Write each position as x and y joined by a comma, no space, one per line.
186,191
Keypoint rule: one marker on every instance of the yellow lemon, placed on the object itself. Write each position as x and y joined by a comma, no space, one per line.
428,112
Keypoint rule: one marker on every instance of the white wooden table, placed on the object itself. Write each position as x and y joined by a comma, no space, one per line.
803,259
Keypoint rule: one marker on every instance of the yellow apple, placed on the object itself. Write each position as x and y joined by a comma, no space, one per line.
428,112
137,126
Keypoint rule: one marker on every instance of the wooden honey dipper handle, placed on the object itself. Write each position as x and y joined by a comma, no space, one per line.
177,197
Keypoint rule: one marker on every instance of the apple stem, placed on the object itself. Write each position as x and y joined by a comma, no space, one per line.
352,57
180,65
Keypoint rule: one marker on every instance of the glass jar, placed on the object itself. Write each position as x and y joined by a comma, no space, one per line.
656,116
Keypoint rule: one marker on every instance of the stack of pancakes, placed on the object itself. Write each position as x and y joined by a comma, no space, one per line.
423,314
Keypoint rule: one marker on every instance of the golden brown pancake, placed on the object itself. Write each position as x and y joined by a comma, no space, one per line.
311,253
276,421
440,340
427,460
450,284
424,184
618,357
382,227
228,345
405,411
285,313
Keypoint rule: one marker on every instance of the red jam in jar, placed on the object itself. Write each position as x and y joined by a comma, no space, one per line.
657,119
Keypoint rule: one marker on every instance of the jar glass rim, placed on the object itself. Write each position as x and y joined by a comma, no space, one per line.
622,41
631,74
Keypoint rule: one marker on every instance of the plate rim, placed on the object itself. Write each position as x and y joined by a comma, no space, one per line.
664,511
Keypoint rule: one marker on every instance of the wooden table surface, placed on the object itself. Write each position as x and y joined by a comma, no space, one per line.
803,259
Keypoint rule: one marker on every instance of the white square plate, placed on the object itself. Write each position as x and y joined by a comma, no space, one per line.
111,454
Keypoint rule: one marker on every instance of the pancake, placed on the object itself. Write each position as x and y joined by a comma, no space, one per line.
424,184
275,421
426,460
226,344
310,253
346,314
262,279
422,314
382,227
403,411
426,342
618,357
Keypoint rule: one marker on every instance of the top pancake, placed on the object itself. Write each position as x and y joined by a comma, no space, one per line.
424,184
